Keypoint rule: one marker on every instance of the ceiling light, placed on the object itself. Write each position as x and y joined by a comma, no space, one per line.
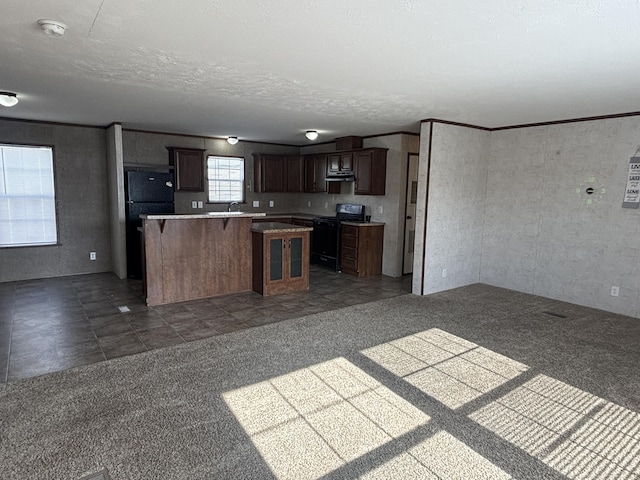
8,99
311,134
52,27
232,140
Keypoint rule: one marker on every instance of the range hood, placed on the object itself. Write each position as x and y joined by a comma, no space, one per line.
341,177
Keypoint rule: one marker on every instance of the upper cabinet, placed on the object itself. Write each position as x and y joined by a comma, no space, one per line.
340,162
308,173
295,173
188,168
370,171
278,173
315,167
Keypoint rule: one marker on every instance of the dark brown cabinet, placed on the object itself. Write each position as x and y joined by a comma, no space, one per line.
295,174
370,171
308,173
361,249
340,162
280,261
188,166
315,173
278,173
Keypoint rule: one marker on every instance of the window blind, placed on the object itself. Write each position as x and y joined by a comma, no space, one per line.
27,196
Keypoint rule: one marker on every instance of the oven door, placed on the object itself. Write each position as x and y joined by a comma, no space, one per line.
325,245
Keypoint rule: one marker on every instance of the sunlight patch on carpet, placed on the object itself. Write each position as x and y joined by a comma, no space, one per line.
448,368
312,421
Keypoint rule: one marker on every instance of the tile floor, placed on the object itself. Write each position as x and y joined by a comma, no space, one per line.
54,324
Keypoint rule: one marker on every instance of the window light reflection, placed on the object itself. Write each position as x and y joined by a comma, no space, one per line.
448,368
312,421
577,433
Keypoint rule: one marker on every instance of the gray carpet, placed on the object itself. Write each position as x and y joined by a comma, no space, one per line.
475,382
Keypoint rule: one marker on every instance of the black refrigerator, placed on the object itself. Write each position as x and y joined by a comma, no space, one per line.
150,193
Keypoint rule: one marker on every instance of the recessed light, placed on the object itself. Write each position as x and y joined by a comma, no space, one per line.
52,27
232,140
8,99
311,134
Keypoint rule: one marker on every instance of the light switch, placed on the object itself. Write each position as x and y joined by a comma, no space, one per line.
256,203
200,204
194,204
271,203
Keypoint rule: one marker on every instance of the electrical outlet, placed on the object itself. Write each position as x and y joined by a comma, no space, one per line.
271,203
256,203
194,204
380,209
444,272
200,204
615,291
309,203
92,255
326,204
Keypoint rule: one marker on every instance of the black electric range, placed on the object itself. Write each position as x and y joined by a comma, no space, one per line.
325,248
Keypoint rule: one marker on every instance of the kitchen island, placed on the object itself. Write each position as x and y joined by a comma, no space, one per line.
188,257
280,257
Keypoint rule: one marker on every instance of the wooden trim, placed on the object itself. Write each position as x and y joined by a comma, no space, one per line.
457,124
538,124
189,135
402,132
426,209
406,192
570,120
57,124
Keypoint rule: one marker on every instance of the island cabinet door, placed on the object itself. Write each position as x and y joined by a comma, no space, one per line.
286,262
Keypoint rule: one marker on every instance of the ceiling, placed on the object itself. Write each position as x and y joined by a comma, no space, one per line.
267,70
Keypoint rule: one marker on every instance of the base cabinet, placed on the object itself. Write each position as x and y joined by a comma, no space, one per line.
361,249
280,262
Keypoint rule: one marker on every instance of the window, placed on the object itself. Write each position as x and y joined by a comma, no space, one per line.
27,196
225,176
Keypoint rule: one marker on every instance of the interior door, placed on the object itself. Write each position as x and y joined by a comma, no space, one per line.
410,213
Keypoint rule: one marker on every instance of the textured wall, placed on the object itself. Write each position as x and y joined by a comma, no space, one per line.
541,236
455,211
82,203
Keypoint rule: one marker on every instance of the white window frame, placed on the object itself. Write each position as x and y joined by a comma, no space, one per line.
225,183
28,213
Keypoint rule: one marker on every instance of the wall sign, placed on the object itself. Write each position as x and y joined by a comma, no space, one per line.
632,192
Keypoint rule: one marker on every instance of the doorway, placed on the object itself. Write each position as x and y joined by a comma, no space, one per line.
410,213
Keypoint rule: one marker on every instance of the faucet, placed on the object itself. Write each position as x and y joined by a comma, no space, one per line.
231,205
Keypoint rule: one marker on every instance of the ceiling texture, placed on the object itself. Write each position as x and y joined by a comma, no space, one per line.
268,70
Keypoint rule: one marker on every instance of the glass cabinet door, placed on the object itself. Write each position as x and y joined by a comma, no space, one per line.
275,258
295,260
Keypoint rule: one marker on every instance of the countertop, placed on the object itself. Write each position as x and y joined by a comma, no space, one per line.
362,224
311,216
301,216
277,227
209,215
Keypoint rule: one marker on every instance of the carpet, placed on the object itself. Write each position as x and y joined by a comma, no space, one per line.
476,382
